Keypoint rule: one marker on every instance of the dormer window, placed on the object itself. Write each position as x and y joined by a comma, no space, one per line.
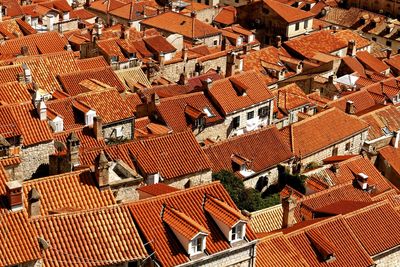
89,117
237,232
208,112
198,245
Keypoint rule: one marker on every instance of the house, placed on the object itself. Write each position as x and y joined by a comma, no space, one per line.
197,226
253,157
192,29
244,101
191,111
326,134
387,162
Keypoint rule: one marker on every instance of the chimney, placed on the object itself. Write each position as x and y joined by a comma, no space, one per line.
335,168
68,47
20,77
14,195
288,206
73,145
27,73
206,84
162,60
24,50
395,139
278,41
34,203
223,43
388,53
350,108
155,99
185,54
230,64
42,110
183,79
50,22
362,180
98,127
332,79
102,172
1,12
351,48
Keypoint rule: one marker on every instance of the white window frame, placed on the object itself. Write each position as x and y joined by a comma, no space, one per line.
197,245
237,232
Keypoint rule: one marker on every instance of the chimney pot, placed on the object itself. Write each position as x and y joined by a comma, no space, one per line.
14,195
102,171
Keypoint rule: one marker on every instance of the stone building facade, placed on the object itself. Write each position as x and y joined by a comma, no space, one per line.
35,159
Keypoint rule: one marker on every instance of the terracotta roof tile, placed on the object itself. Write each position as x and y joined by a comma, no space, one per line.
33,130
86,138
172,110
265,148
70,81
159,44
224,92
381,219
81,14
106,236
267,220
313,134
19,239
371,62
291,97
226,16
362,101
288,13
157,189
14,92
91,63
169,251
75,190
133,76
381,118
181,24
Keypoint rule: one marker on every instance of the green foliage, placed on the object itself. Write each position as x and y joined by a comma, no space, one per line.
245,198
272,200
296,181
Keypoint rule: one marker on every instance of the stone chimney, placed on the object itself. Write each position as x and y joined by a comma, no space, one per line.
388,53
14,195
335,168
350,108
288,207
362,180
351,48
162,60
102,171
24,50
34,203
223,43
155,99
183,79
206,84
50,22
395,139
27,73
185,54
278,41
98,127
73,145
230,64
332,79
42,110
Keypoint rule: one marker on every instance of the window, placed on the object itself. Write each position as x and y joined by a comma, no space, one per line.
335,151
250,115
208,112
215,42
118,131
275,115
348,145
297,26
263,112
388,43
237,232
207,2
305,24
374,39
236,122
197,245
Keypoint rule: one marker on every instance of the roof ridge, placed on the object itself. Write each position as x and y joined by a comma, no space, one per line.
371,206
323,221
62,175
179,192
318,115
165,99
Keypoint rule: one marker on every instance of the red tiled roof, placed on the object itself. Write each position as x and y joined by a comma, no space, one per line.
157,189
226,16
362,101
18,239
33,130
265,148
13,8
81,14
70,81
288,13
106,236
181,24
354,65
91,63
86,138
159,44
14,92
385,117
321,41
168,250
172,110
225,95
222,211
392,156
348,35
77,190
323,130
291,97
371,62
376,227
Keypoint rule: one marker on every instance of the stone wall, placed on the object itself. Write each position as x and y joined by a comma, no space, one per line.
216,132
243,256
195,179
272,175
356,140
34,156
390,260
109,131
